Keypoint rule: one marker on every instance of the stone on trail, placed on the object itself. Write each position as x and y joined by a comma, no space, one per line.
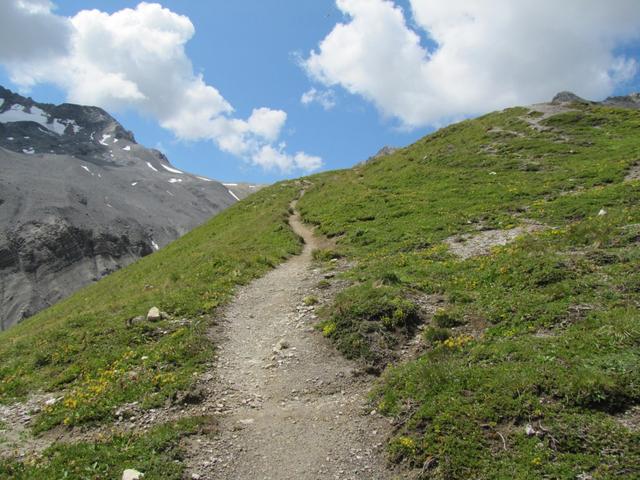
281,345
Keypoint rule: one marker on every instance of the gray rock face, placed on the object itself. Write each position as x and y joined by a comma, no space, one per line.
567,97
626,101
383,152
79,198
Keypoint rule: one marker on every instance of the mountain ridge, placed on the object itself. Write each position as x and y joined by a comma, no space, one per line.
81,198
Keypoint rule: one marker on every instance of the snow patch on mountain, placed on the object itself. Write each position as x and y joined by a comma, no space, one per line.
20,113
233,194
169,169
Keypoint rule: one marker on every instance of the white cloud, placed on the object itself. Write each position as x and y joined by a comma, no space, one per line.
306,162
272,158
135,58
488,54
326,98
267,123
29,29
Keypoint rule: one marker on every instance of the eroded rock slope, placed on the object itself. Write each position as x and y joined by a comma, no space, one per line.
79,198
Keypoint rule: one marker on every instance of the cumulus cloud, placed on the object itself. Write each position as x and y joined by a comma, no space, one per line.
28,29
482,55
271,157
135,58
325,98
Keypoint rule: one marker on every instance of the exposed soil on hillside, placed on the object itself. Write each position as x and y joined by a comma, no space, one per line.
634,173
468,245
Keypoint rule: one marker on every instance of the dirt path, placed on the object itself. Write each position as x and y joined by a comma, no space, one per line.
292,408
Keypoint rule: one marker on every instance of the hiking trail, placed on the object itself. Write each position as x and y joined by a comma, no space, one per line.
291,407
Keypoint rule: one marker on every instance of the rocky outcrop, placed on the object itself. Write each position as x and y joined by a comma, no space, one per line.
567,97
383,152
626,101
79,199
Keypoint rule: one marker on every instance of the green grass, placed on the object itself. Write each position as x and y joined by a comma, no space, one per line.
365,322
84,348
544,331
157,454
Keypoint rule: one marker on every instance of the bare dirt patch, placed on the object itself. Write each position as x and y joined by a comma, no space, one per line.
634,173
547,110
16,439
468,245
631,418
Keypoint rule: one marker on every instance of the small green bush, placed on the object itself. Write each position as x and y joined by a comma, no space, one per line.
325,255
447,319
310,300
434,335
367,320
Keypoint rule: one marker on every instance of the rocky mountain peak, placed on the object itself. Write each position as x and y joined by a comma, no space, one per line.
383,152
79,198
631,100
567,97
626,101
29,126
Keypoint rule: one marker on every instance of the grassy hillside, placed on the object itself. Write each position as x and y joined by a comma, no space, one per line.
529,363
85,349
542,332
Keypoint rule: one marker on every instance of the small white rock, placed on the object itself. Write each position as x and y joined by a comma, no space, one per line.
154,314
602,212
131,474
529,430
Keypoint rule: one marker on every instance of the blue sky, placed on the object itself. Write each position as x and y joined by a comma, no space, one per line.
251,52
